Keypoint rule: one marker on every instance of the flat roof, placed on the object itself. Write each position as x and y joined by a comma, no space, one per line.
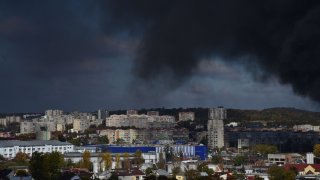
11,143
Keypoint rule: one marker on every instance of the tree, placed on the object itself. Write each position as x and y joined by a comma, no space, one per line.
175,171
217,159
120,141
149,171
103,140
39,167
68,163
203,167
113,177
240,160
162,163
256,177
86,163
138,158
117,161
21,157
56,160
106,157
264,149
21,172
126,161
276,173
192,174
1,158
316,150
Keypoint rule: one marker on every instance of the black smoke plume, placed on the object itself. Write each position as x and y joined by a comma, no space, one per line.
281,37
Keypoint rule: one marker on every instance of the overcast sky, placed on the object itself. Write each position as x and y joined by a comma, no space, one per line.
86,55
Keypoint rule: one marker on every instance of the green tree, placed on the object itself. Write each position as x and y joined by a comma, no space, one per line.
21,172
68,163
264,149
217,159
203,167
120,141
107,159
276,173
103,140
256,177
148,171
39,166
316,150
56,160
175,171
240,160
1,158
162,163
192,174
138,158
113,177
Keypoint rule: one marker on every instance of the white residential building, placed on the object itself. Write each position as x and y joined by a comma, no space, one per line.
216,127
219,113
185,116
27,127
139,121
9,148
81,124
9,120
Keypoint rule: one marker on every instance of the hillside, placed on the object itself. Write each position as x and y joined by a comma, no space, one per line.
280,116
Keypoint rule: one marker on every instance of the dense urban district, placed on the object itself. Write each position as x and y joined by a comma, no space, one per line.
184,143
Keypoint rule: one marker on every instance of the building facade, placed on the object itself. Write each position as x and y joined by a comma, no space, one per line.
216,127
186,116
9,148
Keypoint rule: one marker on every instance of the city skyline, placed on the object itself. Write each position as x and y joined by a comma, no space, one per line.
88,55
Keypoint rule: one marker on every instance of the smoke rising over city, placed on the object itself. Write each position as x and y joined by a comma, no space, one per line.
87,54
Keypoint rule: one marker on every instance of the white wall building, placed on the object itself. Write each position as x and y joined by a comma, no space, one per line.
185,116
9,120
139,121
219,113
216,127
9,148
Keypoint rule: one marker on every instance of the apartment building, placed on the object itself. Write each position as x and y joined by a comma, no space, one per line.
216,127
186,116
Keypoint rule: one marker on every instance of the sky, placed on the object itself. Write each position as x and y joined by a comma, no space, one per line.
131,54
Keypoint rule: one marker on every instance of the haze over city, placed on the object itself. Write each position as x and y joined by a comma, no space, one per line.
85,55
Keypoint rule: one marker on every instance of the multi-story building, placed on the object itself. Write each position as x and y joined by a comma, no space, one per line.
153,113
216,127
27,127
219,113
139,121
132,112
9,148
306,127
9,120
81,124
53,112
127,135
186,116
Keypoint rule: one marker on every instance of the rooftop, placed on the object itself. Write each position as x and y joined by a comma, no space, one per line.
11,143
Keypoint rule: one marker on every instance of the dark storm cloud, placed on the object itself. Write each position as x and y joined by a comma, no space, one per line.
281,37
116,53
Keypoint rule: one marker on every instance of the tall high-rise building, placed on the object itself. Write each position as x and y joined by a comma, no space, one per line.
99,114
216,127
219,113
